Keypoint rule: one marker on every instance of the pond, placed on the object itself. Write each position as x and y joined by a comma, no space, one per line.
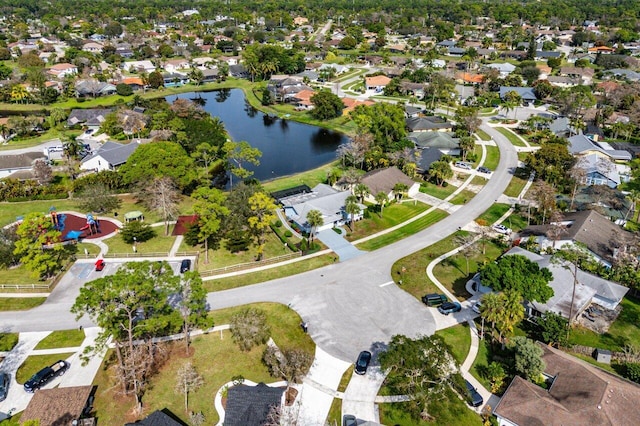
287,147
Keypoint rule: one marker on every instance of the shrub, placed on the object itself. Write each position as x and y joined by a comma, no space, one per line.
632,371
249,328
137,231
8,341
288,234
278,223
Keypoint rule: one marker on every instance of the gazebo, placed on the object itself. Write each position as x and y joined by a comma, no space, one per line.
134,215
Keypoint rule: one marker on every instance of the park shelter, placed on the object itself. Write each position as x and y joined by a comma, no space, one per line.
134,215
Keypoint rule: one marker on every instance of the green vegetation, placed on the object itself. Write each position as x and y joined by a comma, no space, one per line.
20,303
483,135
8,341
392,215
493,213
463,197
482,360
458,338
18,275
493,157
92,249
62,339
35,363
513,138
159,244
403,232
437,191
516,185
310,178
216,358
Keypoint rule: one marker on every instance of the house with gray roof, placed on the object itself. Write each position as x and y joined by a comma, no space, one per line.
503,68
109,156
329,201
583,145
526,93
384,180
91,118
428,124
16,166
442,141
92,87
623,73
250,405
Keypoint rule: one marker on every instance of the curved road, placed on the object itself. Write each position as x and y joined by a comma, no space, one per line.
349,306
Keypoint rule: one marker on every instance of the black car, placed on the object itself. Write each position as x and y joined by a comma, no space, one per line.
449,307
45,375
475,398
4,385
434,299
349,420
483,169
363,362
185,265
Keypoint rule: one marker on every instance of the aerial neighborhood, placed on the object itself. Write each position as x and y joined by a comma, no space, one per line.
319,213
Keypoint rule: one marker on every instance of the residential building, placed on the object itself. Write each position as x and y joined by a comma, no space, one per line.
62,70
443,141
583,145
90,118
250,405
526,93
384,180
61,406
157,418
377,83
109,156
95,88
430,123
10,165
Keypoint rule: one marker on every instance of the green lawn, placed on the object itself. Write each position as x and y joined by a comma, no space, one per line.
493,213
62,339
515,187
20,303
35,363
392,215
37,140
623,331
403,232
335,413
310,178
480,180
216,358
8,341
493,157
18,275
450,410
481,362
158,244
515,140
483,135
437,191
459,340
463,197
92,249
269,274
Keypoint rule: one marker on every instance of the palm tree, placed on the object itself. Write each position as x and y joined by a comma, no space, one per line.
399,189
633,196
314,219
4,131
490,308
351,206
381,199
19,93
361,190
512,312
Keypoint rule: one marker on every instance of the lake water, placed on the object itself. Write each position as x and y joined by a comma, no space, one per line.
287,147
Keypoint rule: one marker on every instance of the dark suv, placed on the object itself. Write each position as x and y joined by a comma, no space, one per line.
185,265
363,362
434,299
474,397
45,375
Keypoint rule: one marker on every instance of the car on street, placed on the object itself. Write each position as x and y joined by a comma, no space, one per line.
483,169
434,299
349,420
4,386
501,229
449,307
99,265
462,165
185,265
45,375
362,362
476,307
475,398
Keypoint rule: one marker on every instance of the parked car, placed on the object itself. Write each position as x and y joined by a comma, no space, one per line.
45,375
434,299
349,420
363,362
185,265
501,229
4,385
483,169
475,398
476,307
462,165
449,307
99,265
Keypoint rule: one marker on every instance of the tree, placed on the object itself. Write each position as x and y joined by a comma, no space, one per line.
8,238
420,368
384,121
503,310
239,153
262,214
192,305
467,144
468,118
210,208
516,272
326,105
160,195
361,191
553,328
467,247
39,246
137,231
512,100
42,171
400,189
159,159
97,198
290,364
123,89
249,328
187,380
551,162
155,80
314,220
351,207
440,171
381,199
544,196
528,358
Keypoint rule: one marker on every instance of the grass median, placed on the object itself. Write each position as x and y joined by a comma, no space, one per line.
62,339
20,303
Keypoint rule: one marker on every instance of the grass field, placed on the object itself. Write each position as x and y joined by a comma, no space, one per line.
216,358
8,341
62,339
437,191
515,186
459,340
18,275
462,197
392,215
310,178
20,303
493,157
513,138
35,363
483,135
157,244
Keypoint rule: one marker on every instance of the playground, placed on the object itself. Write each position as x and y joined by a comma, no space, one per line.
74,227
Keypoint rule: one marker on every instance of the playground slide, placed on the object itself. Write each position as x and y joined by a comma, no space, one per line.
84,228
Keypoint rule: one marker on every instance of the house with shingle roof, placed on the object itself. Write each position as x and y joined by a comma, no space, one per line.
377,82
583,145
384,180
19,163
579,394
109,156
59,406
430,123
250,405
62,70
526,93
91,118
158,418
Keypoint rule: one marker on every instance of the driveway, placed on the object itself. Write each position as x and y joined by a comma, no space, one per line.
336,242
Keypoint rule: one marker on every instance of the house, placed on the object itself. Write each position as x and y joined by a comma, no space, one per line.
503,68
175,65
284,88
577,394
329,201
603,238
442,141
599,171
302,99
250,405
62,70
583,145
210,75
93,87
90,118
585,75
11,164
350,104
526,93
623,74
135,83
174,79
430,123
157,418
384,180
139,66
238,71
589,289
92,47
109,156
60,406
377,83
